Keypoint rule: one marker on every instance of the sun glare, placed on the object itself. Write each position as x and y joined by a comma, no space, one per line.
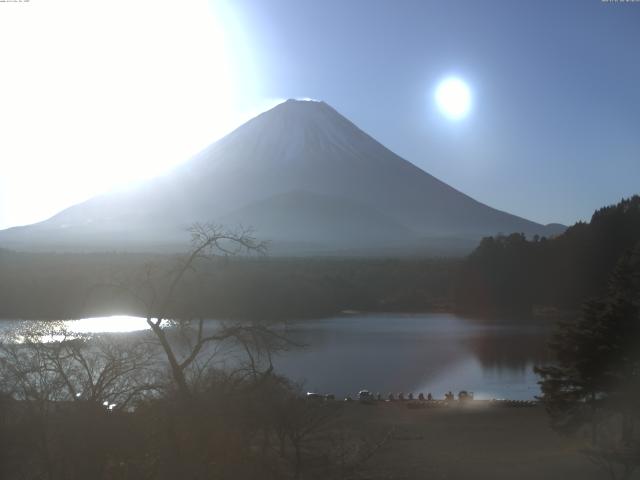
98,94
453,98
112,324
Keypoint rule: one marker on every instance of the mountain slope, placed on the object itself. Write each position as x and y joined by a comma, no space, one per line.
317,222
249,176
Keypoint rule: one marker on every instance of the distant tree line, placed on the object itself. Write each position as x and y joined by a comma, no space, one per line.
58,286
510,273
504,274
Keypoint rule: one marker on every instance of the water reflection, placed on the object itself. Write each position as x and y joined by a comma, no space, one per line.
393,353
416,353
111,324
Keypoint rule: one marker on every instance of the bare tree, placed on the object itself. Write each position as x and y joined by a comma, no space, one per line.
299,423
104,407
64,393
45,362
178,326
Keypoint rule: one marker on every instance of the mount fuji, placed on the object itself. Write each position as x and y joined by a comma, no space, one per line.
304,177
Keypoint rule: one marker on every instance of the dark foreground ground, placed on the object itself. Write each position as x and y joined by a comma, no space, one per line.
475,442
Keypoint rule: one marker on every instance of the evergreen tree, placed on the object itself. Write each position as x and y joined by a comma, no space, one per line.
513,273
595,381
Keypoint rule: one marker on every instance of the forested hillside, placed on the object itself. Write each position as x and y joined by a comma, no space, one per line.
513,273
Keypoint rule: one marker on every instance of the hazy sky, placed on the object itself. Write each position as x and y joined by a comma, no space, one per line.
95,94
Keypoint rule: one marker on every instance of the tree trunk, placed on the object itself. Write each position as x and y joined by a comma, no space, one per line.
298,464
176,370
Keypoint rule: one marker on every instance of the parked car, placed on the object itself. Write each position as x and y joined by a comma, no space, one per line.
365,396
464,396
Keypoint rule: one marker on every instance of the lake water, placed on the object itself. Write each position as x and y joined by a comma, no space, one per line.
398,353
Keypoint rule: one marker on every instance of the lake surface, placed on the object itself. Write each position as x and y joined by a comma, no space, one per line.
397,353
417,353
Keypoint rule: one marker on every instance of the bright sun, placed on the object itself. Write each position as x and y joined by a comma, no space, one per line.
98,94
453,98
